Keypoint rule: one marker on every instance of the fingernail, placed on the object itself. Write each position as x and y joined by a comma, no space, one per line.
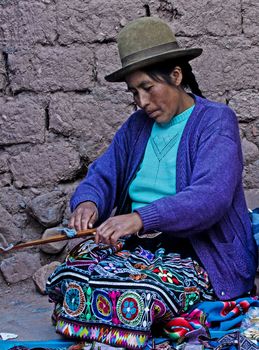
90,225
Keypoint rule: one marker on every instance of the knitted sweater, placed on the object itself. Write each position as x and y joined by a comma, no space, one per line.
156,176
209,207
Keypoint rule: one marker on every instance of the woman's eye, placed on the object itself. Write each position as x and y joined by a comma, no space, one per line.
148,88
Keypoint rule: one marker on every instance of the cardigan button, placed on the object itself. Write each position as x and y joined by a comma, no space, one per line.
222,293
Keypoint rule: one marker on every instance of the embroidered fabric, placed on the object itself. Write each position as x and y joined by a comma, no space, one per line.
119,297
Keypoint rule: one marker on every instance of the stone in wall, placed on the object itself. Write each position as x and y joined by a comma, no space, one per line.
252,132
21,220
3,162
115,105
68,189
17,225
37,21
22,120
96,20
250,151
9,25
53,247
2,71
47,68
231,63
20,266
48,208
40,277
252,198
251,179
7,226
45,164
107,61
250,15
188,20
93,119
32,229
245,104
5,179
12,200
24,23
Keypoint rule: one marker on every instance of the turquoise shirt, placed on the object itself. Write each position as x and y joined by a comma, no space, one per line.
156,177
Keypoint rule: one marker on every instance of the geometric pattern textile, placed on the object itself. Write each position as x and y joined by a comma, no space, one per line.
122,297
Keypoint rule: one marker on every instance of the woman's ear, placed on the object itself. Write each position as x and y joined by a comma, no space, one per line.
177,75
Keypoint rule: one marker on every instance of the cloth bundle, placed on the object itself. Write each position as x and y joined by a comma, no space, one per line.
209,320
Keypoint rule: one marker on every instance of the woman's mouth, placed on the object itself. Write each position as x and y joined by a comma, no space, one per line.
153,114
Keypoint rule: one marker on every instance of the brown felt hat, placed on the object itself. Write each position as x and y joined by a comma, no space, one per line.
146,41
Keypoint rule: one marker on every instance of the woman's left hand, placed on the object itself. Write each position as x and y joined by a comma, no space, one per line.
118,226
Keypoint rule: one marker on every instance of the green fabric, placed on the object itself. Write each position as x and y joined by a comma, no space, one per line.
156,176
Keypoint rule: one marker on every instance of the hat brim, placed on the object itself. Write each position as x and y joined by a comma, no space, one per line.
186,54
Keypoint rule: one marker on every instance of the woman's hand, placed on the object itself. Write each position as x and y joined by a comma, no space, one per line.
84,216
118,226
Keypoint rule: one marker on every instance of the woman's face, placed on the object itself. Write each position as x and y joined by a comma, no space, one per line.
158,99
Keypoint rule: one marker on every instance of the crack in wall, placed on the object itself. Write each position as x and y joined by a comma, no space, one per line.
147,9
242,12
20,91
80,92
94,69
103,41
7,71
47,117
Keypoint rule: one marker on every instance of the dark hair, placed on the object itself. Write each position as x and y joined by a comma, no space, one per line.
160,72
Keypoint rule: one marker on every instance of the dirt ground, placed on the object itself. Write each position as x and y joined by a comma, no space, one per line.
27,313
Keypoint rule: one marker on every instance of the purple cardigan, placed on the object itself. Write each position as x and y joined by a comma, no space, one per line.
209,207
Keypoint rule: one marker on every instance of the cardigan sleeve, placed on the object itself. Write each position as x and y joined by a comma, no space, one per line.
216,172
104,178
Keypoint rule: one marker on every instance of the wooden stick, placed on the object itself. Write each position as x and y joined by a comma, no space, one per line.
57,238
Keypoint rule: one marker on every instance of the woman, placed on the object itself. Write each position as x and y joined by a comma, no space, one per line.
181,232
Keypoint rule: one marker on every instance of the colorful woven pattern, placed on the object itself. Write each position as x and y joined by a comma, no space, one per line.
116,296
209,317
103,334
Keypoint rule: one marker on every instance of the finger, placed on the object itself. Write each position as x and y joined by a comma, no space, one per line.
85,218
105,235
92,220
77,222
110,224
116,236
71,223
99,233
103,226
96,238
84,221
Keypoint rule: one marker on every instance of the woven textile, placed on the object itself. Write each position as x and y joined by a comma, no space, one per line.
119,297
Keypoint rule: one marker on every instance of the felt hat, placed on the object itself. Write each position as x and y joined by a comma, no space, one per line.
146,41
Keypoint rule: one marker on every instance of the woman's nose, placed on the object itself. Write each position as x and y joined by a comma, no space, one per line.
143,100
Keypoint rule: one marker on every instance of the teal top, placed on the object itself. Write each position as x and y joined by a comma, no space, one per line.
156,177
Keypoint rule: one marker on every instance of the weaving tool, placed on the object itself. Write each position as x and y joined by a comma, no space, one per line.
56,238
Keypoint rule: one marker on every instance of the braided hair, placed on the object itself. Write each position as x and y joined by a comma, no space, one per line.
162,72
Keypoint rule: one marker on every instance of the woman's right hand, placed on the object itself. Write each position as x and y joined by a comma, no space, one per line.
84,216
